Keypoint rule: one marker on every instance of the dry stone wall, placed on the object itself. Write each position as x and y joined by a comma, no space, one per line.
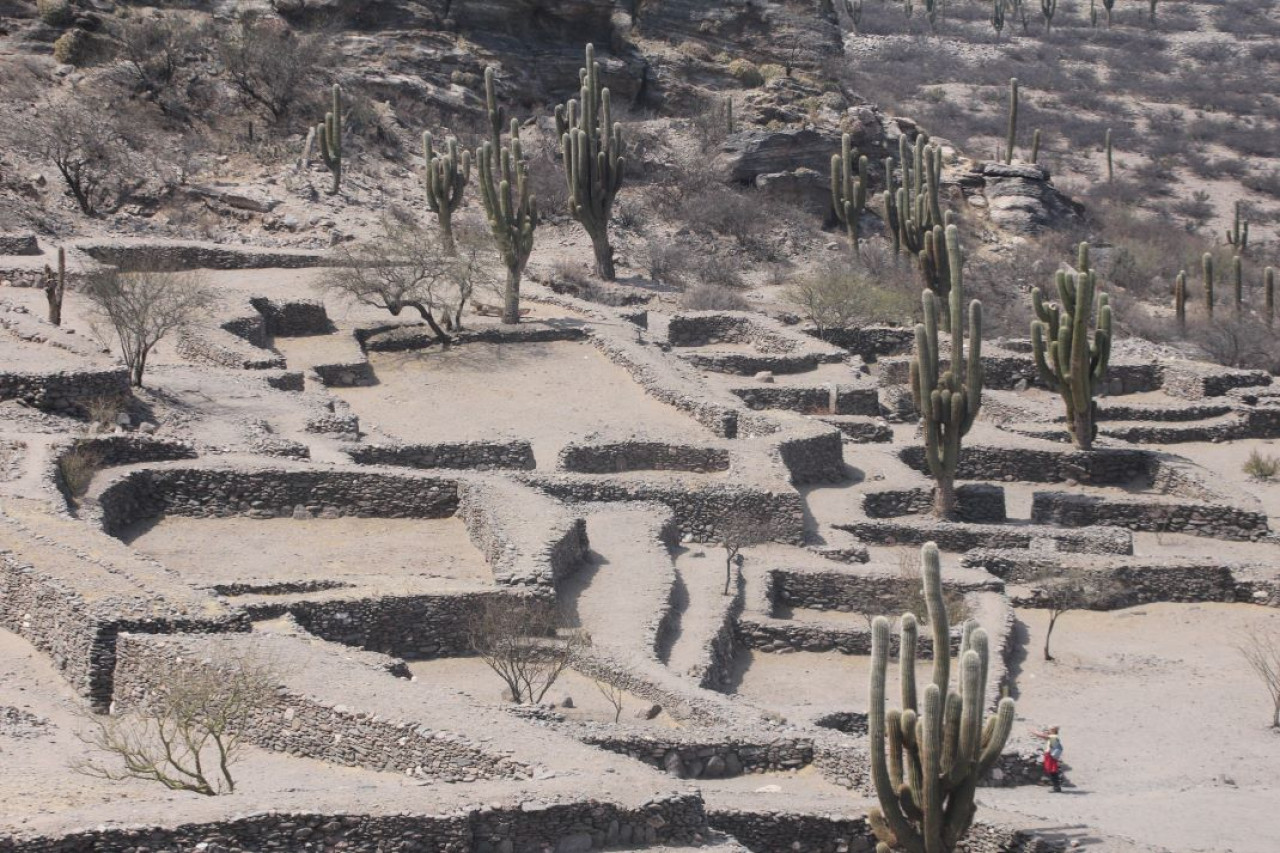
977,503
958,536
65,391
180,255
1198,519
641,455
477,455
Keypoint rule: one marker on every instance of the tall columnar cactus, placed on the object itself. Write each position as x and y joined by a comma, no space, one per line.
1111,170
510,208
329,139
928,756
1206,264
1048,8
495,113
931,11
1011,137
947,395
1237,276
1108,5
1238,236
914,213
997,16
55,287
1067,360
1180,300
1035,146
1269,293
593,161
849,188
445,178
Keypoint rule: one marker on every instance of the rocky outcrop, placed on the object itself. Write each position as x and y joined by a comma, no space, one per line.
1020,198
800,33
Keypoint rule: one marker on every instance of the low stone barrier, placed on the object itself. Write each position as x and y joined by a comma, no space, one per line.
294,317
1194,380
348,368
860,429
640,455
65,391
777,832
813,400
704,755
402,338
187,255
1100,467
227,346
478,455
959,536
813,454
1198,519
749,364
869,342
977,503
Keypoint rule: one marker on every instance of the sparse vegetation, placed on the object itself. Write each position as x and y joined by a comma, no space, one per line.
186,733
77,468
1261,650
521,642
1262,466
1073,590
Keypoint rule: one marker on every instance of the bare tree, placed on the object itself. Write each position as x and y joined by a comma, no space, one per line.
144,306
520,641
1261,648
87,146
187,732
156,49
406,266
269,64
613,694
1073,589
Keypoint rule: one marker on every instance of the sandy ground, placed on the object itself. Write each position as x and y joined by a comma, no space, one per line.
1164,727
549,394
285,549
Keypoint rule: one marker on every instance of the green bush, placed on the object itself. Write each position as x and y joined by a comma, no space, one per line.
55,13
1261,467
746,72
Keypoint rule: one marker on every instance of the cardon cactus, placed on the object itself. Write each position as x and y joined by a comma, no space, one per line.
329,139
1237,276
593,162
1238,236
510,207
947,400
849,188
1206,264
1067,359
55,287
914,214
444,179
1180,300
1011,136
1269,293
928,756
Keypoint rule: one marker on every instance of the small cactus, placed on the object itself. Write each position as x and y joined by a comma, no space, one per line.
1012,135
55,287
849,193
329,140
1206,264
927,757
1238,235
1066,359
1180,300
445,178
1111,172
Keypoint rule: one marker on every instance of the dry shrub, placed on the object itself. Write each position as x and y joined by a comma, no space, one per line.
522,643
103,411
55,13
710,297
1261,466
77,468
840,295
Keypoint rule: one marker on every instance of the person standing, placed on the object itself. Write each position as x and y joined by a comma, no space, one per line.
1052,756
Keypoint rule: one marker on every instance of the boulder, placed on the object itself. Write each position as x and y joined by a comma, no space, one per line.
1021,198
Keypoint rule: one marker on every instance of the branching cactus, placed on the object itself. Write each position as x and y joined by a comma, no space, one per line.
1238,236
329,139
947,399
914,214
509,206
849,188
1069,359
593,161
495,113
928,756
445,178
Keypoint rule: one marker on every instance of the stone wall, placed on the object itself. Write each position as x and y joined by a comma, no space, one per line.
186,255
959,536
977,503
826,400
641,455
292,318
65,391
703,512
676,820
749,364
781,832
813,454
399,338
347,367
1100,467
227,347
271,493
704,755
478,455
1137,580
1220,521
870,342
1194,380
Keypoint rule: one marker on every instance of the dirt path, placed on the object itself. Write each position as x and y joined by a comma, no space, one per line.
619,595
703,607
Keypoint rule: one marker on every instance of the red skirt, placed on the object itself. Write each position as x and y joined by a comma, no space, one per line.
1050,764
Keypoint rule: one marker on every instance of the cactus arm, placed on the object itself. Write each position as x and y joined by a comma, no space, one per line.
931,800
890,811
910,635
